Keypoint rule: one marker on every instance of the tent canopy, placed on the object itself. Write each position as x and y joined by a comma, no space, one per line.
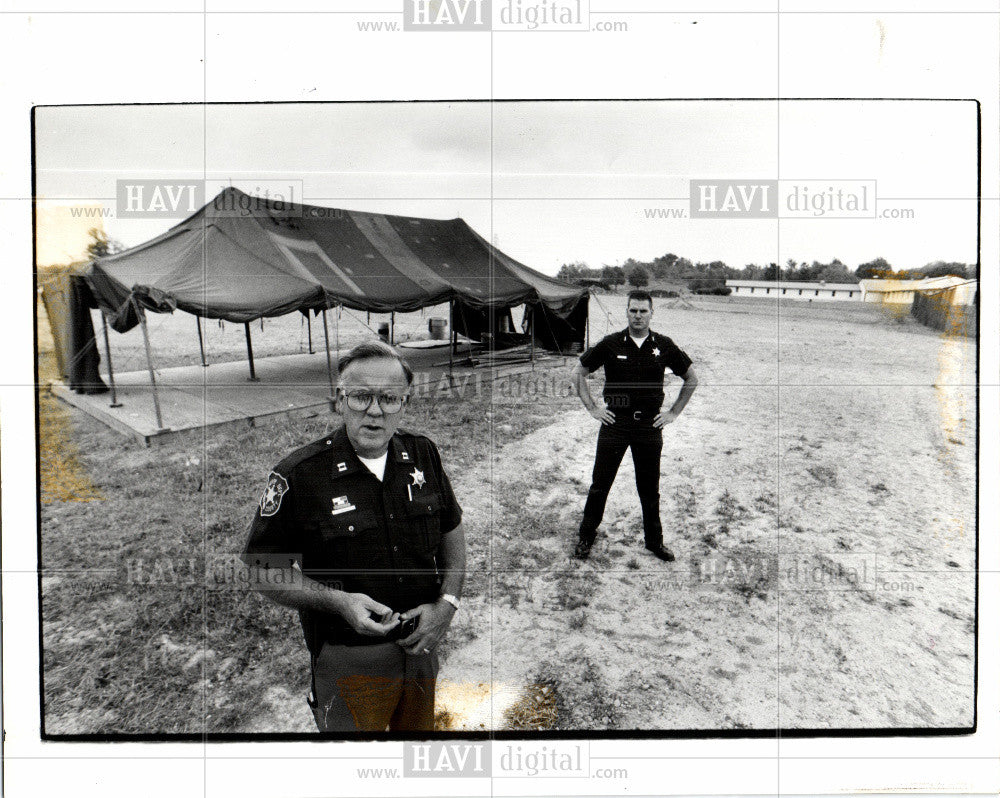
241,258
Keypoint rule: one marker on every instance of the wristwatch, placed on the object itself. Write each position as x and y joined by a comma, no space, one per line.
453,600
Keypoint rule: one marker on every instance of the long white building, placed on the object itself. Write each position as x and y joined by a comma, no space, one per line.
823,292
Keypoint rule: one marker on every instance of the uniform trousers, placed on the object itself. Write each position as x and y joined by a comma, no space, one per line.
646,443
373,688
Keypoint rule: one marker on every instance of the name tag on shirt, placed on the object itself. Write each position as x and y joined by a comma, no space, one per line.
623,357
342,504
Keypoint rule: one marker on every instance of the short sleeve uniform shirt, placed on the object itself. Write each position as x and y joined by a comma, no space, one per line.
347,529
633,376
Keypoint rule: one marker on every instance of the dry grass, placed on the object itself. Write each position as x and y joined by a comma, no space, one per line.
63,476
134,643
537,709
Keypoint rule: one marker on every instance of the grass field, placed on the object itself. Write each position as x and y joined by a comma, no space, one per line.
832,442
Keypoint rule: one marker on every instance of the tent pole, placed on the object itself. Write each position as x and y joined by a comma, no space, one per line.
586,325
111,371
329,365
453,336
392,328
253,373
201,343
336,332
309,328
149,360
532,322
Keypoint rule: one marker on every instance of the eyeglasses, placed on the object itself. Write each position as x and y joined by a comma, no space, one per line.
388,403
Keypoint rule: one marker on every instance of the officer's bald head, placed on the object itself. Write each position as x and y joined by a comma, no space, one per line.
374,350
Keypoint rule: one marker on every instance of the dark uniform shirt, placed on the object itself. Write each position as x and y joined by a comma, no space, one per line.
633,376
325,509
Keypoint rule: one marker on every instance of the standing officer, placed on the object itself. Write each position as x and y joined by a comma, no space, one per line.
634,362
361,533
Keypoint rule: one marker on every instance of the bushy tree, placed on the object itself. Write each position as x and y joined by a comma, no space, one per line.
102,244
571,271
941,269
638,276
613,275
878,269
835,272
664,267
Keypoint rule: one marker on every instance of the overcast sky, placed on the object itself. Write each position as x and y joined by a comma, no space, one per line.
555,182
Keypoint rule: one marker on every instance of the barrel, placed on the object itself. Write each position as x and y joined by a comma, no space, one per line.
437,328
383,331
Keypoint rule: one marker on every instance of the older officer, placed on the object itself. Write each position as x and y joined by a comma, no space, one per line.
361,533
632,417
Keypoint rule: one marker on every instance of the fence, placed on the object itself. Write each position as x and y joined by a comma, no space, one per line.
936,309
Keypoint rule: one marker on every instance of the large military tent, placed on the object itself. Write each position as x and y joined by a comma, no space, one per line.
243,257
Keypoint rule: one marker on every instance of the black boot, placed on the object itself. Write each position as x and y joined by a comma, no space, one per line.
661,551
584,545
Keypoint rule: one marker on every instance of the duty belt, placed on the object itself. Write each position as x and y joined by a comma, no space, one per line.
635,417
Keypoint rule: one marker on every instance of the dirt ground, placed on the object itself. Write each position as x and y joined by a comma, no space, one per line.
823,527
819,493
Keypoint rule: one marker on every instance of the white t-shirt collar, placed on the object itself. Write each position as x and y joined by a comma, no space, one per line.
375,464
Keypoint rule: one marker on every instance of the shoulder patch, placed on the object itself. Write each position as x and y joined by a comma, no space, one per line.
270,499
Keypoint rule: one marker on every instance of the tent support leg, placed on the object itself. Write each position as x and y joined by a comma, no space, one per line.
152,376
201,343
253,373
111,371
392,328
309,329
586,327
531,356
453,339
329,365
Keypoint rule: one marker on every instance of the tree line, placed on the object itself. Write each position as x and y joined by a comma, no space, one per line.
671,268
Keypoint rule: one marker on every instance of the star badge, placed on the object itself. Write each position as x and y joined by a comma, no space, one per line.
656,351
418,478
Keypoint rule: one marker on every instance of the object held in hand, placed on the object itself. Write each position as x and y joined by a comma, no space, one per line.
404,629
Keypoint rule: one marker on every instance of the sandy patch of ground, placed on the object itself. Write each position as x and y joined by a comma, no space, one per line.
824,534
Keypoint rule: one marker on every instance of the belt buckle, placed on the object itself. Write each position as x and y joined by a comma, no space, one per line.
636,414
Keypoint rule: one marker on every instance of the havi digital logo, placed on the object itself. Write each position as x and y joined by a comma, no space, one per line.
442,759
447,15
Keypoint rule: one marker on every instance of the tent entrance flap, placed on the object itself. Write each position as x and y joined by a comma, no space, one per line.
555,333
84,360
495,328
